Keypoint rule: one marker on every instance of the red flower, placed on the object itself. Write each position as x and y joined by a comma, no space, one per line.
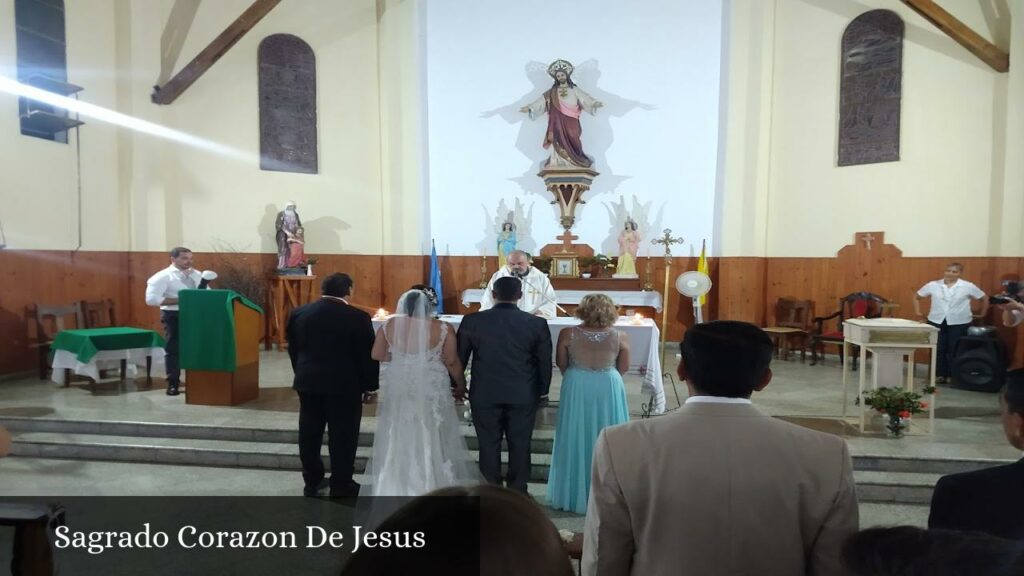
881,410
924,404
904,414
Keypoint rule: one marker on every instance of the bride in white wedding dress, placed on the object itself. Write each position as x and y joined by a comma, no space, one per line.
418,447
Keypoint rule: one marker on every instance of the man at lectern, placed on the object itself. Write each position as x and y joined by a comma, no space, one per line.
162,290
538,295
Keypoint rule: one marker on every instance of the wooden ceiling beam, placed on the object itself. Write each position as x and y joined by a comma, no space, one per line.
988,52
177,85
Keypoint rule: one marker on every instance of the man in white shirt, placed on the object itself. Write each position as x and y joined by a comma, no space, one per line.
950,312
718,487
162,290
538,295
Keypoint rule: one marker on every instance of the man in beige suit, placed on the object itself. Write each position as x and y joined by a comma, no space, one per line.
718,487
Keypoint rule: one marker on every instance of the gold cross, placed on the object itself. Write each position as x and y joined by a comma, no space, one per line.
667,241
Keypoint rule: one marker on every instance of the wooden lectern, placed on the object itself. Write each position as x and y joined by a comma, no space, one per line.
219,346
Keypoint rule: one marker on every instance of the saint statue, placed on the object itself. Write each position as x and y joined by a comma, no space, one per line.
288,225
563,102
629,245
506,240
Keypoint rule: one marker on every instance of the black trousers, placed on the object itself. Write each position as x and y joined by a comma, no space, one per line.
340,415
515,423
169,318
949,336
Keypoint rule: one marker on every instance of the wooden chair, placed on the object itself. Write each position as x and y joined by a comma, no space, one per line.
853,305
792,323
99,314
49,321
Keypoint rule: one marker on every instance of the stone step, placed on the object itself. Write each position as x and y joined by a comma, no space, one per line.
872,486
219,453
543,438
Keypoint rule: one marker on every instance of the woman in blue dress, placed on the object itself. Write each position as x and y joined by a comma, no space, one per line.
506,242
592,357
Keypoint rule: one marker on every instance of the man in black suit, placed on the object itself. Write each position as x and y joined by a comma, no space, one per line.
988,500
511,374
329,343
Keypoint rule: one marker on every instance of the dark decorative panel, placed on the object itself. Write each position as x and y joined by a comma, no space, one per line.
870,89
287,79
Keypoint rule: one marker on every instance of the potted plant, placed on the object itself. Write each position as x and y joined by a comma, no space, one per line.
898,405
542,263
586,265
603,266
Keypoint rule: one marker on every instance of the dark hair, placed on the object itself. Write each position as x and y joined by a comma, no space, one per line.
1013,391
412,300
958,266
178,251
514,535
338,285
912,551
726,357
508,289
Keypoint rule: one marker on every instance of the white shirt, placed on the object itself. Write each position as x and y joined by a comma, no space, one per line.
538,295
167,283
951,304
716,400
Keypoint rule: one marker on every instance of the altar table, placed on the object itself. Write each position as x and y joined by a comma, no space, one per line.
572,297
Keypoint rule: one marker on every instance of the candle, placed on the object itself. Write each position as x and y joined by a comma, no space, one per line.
638,318
381,314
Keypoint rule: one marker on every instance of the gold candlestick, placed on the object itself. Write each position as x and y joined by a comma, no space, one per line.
483,272
648,272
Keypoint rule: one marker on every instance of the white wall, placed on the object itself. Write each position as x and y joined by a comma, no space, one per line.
654,63
954,191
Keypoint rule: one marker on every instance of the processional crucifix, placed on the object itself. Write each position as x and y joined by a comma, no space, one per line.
667,241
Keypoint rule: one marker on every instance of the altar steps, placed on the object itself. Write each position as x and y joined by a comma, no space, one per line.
884,479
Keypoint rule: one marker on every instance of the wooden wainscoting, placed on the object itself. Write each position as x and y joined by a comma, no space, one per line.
745,288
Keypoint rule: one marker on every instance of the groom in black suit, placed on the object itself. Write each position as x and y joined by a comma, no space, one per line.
511,374
329,343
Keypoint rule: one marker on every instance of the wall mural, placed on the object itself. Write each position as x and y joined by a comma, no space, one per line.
287,92
870,89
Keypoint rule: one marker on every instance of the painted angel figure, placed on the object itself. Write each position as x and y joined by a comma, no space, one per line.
564,103
629,245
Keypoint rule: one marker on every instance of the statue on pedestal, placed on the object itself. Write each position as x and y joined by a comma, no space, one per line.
290,241
506,239
563,102
629,245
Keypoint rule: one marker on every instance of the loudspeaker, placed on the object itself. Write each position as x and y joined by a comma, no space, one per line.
980,363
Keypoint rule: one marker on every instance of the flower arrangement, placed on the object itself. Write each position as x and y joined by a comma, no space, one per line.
899,405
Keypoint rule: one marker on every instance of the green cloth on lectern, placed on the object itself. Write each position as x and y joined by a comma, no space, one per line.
84,344
206,329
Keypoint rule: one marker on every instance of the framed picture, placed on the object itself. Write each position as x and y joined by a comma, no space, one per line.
564,267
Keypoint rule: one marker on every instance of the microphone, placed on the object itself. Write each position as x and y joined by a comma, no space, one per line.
207,276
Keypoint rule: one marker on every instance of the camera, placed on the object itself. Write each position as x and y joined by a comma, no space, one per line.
1010,290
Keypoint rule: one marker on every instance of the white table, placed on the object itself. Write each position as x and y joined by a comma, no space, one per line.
644,358
649,299
106,360
889,340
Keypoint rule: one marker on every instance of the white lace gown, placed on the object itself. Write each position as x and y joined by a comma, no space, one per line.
418,446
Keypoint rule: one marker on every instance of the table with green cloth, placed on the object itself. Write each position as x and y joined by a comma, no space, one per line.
90,350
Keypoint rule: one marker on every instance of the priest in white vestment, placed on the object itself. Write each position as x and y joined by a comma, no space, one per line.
538,295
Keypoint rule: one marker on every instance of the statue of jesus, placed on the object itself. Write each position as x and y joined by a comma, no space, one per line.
563,102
